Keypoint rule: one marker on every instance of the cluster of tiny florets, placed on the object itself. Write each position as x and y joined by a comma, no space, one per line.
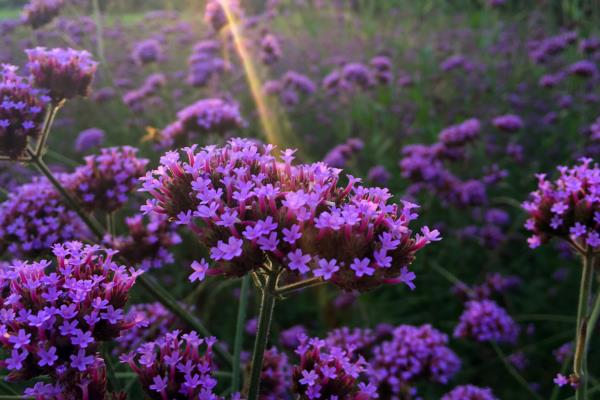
246,206
21,112
469,392
568,208
106,180
38,13
147,242
34,217
325,372
204,63
65,73
175,366
54,316
486,321
413,353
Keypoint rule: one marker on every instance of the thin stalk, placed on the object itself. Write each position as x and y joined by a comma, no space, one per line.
172,305
514,373
43,168
48,121
110,223
113,382
265,316
239,334
580,357
6,389
593,321
99,31
293,287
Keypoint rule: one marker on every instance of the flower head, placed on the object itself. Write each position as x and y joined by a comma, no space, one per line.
22,110
568,208
246,206
65,73
486,321
54,317
38,13
175,365
106,180
469,392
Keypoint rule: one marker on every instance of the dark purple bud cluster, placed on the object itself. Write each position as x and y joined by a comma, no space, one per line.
88,139
147,51
382,69
55,315
275,376
508,123
270,49
541,51
147,243
246,207
568,208
485,321
216,16
65,73
106,180
34,217
22,110
38,13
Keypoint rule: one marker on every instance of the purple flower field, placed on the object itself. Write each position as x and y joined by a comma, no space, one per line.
299,200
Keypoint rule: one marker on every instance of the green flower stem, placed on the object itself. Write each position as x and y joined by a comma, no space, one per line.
294,287
113,382
99,30
6,389
71,202
581,335
514,373
48,121
265,316
239,334
593,321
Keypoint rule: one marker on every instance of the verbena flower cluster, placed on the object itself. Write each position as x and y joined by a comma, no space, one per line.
203,117
137,98
413,353
146,51
246,206
275,378
22,110
567,208
175,366
34,217
486,321
469,392
342,154
147,242
330,372
54,316
204,63
65,73
38,13
106,180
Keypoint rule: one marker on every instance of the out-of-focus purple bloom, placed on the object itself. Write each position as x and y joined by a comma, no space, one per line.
340,155
65,73
583,68
230,191
270,49
21,112
89,138
216,16
147,243
38,13
135,98
34,217
290,338
469,392
106,180
459,135
455,62
413,353
563,353
204,63
542,51
379,175
589,45
382,69
508,123
568,208
595,130
147,51
486,321
275,378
